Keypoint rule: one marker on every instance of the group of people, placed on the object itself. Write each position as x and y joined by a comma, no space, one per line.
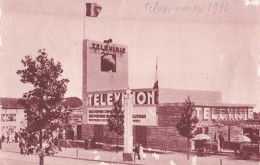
139,151
12,137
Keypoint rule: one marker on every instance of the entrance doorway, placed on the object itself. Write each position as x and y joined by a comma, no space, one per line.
141,135
98,133
79,132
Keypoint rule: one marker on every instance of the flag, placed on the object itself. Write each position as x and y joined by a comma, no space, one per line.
92,9
156,85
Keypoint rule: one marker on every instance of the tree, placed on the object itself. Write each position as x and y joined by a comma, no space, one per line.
116,120
44,110
187,123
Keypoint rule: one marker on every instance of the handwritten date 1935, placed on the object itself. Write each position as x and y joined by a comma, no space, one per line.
217,7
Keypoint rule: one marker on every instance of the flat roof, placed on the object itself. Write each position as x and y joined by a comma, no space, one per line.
224,105
210,104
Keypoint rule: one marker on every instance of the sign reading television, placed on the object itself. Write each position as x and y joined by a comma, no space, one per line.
107,98
101,103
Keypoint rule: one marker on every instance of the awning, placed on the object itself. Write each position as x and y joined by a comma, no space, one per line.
254,126
209,125
230,119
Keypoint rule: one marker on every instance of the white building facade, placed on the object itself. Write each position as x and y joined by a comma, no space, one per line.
12,116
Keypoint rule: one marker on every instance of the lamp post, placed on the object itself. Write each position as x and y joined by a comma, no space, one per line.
128,126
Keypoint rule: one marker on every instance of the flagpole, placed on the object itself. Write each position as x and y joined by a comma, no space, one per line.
156,83
84,28
157,80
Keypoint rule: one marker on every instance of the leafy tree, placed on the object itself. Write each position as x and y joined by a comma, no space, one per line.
187,123
44,110
116,120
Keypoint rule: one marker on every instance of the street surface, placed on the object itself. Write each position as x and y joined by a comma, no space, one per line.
9,155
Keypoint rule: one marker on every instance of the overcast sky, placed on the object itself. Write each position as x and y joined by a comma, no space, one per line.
200,44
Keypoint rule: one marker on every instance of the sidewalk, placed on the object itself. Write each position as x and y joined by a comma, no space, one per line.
95,155
100,157
178,158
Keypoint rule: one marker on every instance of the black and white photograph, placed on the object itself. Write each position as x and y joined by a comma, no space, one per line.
131,82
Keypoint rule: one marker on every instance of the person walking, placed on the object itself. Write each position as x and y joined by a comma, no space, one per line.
15,137
93,143
221,141
86,143
8,139
137,151
3,138
21,145
141,151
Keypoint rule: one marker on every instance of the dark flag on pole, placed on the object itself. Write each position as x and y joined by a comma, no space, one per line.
92,9
156,85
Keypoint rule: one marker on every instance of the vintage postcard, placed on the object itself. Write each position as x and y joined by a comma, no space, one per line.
156,82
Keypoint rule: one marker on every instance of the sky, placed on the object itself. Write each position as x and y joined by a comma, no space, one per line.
200,44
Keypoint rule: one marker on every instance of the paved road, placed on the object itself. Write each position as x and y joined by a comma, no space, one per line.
97,157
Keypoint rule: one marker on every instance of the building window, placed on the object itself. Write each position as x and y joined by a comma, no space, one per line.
8,117
8,129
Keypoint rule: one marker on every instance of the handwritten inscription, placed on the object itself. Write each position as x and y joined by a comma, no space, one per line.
209,7
252,2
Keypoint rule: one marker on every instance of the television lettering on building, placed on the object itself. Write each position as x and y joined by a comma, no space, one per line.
101,103
102,48
107,99
225,113
229,111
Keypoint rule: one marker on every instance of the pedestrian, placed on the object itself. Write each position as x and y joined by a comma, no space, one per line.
8,139
93,143
137,151
3,138
11,137
141,151
16,137
221,141
49,149
21,145
86,143
194,160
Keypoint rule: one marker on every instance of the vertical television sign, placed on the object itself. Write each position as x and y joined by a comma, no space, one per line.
105,67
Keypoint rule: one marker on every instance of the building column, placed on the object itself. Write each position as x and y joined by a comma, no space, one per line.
128,126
